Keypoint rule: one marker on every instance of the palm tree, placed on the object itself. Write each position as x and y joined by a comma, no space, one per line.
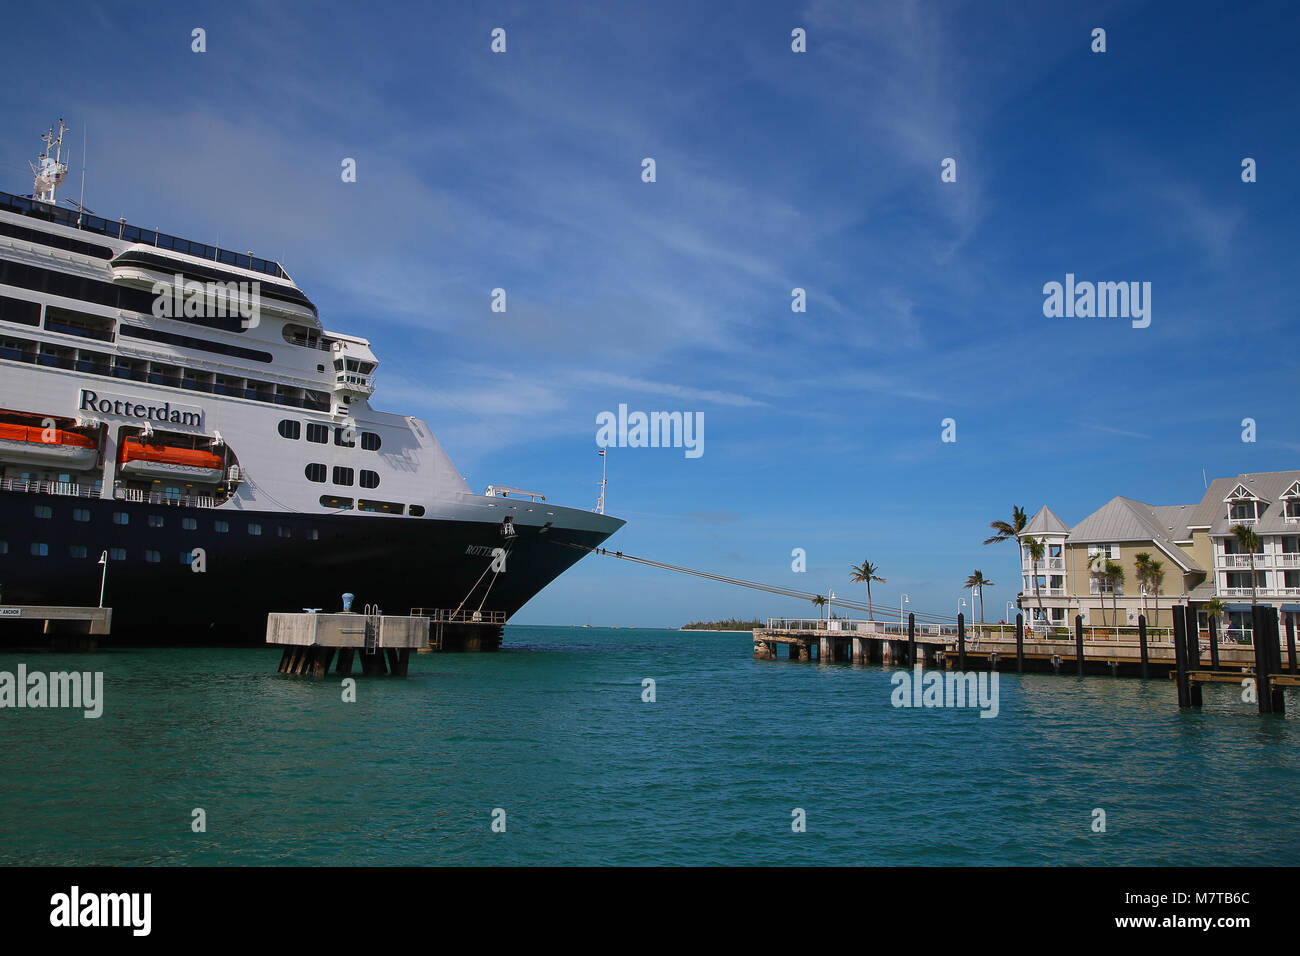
980,582
866,571
1248,539
1114,574
1097,568
1036,549
820,603
1213,608
1156,577
1142,574
1006,530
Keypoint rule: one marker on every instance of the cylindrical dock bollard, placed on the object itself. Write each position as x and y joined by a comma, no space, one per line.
961,642
1142,641
1020,643
1078,641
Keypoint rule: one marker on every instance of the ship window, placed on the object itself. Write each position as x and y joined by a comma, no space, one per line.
187,557
40,550
156,521
221,527
172,493
80,514
342,476
417,511
315,472
383,507
189,524
117,554
20,311
330,501
343,437
78,323
121,517
319,434
283,532
254,528
313,535
43,511
338,365
4,547
77,551
290,429
369,479
370,441
153,557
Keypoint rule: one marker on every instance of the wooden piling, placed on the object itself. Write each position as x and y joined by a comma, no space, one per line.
1193,632
1214,642
345,661
961,642
1020,643
1078,640
1290,644
1180,658
1142,642
911,640
1268,658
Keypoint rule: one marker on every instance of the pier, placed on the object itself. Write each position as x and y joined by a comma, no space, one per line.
1089,650
382,643
68,627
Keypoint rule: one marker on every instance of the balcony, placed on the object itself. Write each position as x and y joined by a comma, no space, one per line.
1288,559
1241,560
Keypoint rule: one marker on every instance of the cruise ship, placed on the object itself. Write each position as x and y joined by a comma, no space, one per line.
182,441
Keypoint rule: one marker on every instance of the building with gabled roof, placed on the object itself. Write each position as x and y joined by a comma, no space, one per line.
1194,543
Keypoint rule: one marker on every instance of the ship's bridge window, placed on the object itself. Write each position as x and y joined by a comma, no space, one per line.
370,441
290,429
320,434
338,365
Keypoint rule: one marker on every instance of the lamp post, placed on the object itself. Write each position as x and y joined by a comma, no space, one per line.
830,592
905,599
961,604
103,579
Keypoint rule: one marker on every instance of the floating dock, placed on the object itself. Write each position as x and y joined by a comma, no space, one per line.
382,642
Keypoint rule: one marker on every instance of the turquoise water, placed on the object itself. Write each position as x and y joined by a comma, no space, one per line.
553,731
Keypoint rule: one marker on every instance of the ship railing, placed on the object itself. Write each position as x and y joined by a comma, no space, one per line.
462,616
67,488
162,498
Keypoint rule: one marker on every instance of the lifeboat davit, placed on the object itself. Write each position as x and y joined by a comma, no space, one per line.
47,446
164,461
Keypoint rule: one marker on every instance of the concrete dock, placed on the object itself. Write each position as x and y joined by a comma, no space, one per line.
68,627
382,642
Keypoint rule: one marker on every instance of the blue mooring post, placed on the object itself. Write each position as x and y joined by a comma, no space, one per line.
1193,655
911,639
1020,643
1078,641
1142,641
1180,657
961,642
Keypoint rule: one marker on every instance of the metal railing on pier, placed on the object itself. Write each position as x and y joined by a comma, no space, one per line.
446,616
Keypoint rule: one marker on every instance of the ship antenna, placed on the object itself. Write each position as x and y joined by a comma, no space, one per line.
600,505
81,207
48,171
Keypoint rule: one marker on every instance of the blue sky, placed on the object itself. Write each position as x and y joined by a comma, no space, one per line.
775,170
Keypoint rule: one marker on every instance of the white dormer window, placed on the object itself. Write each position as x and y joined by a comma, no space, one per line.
1243,505
1291,502
1111,551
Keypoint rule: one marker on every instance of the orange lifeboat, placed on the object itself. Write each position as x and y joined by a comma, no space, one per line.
166,461
47,446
